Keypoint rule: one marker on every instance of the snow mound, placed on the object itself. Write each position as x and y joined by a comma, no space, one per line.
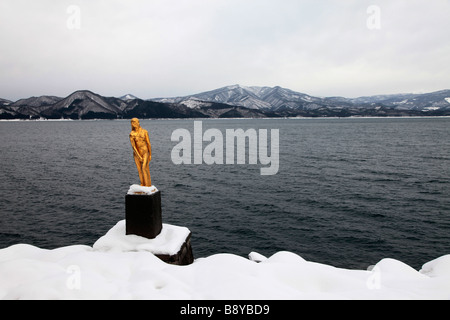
124,267
439,267
169,241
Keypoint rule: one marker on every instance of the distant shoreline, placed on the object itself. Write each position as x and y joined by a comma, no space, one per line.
206,119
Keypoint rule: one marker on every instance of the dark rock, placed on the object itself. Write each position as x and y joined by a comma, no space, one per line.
184,256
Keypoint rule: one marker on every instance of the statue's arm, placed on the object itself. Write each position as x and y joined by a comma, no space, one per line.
149,146
135,151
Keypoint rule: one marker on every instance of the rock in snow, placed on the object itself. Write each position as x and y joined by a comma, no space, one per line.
123,267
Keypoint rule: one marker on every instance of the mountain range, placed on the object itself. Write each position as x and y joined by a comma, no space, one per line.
228,102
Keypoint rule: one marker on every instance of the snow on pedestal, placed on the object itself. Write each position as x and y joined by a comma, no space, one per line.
172,245
137,189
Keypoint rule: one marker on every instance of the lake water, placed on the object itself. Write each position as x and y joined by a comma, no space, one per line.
349,192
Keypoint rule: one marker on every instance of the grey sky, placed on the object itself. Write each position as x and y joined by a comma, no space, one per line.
164,48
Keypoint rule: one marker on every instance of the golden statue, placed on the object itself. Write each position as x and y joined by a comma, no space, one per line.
142,151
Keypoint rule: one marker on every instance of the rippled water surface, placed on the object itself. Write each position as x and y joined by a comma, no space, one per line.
349,192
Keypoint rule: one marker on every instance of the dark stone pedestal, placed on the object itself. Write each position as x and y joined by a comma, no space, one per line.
143,215
143,218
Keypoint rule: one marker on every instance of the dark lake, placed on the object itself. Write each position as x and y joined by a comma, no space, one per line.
348,192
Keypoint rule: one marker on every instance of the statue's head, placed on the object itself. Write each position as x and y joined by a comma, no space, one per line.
135,123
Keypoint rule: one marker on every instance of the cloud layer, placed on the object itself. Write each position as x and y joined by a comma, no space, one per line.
177,47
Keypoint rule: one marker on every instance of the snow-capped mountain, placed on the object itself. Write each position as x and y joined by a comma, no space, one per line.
33,106
128,97
232,101
233,95
4,102
30,107
36,102
85,104
281,98
260,98
278,98
427,101
5,110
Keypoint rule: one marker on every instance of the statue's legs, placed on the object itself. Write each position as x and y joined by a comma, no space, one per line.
146,171
139,168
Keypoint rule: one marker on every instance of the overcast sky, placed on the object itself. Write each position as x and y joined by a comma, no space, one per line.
166,48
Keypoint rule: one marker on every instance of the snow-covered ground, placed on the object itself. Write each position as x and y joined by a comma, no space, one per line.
124,267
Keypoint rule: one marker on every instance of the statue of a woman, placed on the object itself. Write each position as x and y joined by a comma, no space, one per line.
142,151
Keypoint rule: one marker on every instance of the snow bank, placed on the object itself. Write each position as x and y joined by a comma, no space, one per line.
169,241
123,267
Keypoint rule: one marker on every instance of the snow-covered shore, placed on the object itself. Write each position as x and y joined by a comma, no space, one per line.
123,267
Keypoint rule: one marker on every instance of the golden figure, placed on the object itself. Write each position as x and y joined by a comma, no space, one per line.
142,151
